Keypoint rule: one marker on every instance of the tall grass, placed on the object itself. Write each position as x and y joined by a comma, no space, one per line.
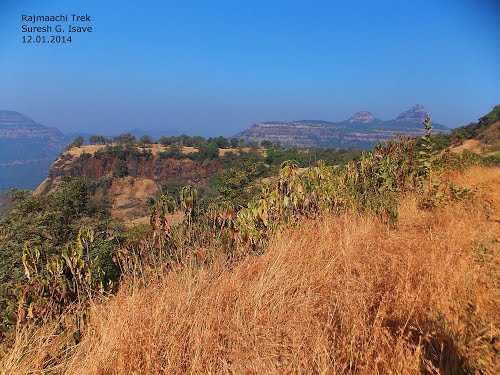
336,294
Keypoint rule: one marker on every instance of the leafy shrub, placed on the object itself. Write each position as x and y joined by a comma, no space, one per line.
47,225
58,279
208,151
370,183
120,168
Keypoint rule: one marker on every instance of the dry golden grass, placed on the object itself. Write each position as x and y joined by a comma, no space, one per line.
128,196
337,295
472,145
487,142
87,149
485,183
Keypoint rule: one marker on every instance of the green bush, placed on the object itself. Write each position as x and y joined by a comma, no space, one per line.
48,225
120,168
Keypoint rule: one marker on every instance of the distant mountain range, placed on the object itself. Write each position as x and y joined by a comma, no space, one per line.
27,149
362,130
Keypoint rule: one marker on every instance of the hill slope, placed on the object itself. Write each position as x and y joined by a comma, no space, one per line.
344,294
362,130
357,299
479,137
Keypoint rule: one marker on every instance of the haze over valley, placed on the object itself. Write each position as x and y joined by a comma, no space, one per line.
28,148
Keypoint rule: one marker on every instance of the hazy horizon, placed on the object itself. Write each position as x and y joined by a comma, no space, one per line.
218,68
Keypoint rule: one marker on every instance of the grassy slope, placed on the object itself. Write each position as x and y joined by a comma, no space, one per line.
481,137
337,294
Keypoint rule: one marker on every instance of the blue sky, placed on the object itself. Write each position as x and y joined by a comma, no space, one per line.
215,67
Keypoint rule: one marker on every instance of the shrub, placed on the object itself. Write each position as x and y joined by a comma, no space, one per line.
98,140
125,139
120,168
145,140
77,142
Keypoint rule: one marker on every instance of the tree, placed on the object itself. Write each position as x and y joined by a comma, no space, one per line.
145,140
208,151
165,141
184,140
198,141
120,168
77,142
235,142
491,117
221,142
125,139
266,144
97,140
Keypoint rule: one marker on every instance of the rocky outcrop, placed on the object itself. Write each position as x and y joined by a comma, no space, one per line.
361,130
162,171
141,175
362,117
416,114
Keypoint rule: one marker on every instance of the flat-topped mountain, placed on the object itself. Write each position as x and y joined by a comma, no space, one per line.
14,125
361,130
27,149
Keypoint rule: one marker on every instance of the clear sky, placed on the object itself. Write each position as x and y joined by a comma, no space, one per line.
215,67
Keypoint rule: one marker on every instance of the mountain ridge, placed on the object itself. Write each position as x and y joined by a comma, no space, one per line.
27,149
361,130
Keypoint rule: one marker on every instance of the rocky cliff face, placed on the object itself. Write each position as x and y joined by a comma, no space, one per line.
132,176
26,150
304,133
361,130
162,171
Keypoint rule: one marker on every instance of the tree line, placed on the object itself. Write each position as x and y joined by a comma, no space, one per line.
180,141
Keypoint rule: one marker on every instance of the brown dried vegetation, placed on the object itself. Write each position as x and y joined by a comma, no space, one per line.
336,294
